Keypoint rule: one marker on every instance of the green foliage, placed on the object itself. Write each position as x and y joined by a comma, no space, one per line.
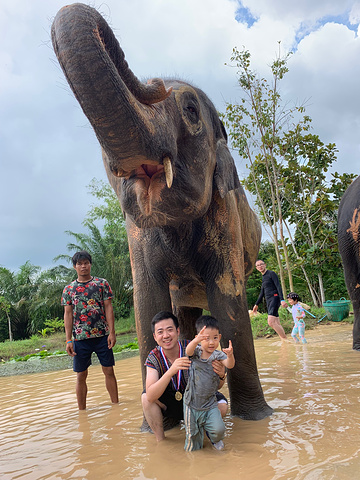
45,353
5,307
288,169
108,248
44,332
41,354
55,325
253,286
128,346
32,297
125,324
54,343
260,327
33,344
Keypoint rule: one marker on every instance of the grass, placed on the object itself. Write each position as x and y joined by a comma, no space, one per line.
39,345
54,343
260,327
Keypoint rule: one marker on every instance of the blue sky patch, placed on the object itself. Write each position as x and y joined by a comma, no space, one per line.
243,15
342,19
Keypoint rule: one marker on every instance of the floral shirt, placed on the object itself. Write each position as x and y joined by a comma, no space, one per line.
87,300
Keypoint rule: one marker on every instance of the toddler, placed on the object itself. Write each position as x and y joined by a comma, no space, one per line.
201,413
298,314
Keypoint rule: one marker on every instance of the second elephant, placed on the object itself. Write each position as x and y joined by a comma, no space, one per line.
349,247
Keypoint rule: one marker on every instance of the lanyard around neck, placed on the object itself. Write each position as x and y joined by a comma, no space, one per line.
167,366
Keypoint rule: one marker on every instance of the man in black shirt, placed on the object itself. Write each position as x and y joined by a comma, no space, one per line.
271,288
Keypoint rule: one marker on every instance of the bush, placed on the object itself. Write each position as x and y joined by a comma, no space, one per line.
260,327
55,325
125,325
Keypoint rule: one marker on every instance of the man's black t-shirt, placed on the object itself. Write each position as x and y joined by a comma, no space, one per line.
270,287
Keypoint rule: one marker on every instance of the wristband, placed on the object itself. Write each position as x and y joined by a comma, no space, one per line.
223,378
69,341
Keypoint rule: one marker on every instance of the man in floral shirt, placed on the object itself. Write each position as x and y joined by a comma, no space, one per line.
89,326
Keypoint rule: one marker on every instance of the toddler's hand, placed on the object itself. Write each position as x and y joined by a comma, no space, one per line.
200,336
228,351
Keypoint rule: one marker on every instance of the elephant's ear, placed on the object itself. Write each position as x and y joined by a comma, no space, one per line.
225,175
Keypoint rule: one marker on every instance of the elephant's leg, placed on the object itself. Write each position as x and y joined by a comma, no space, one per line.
187,317
354,293
144,312
349,248
356,328
246,395
351,262
149,299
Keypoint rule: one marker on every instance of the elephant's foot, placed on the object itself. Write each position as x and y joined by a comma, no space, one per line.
252,414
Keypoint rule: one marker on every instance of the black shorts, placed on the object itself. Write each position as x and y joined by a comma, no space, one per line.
273,304
175,409
84,349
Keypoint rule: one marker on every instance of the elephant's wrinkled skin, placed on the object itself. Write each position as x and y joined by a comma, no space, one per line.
349,247
193,238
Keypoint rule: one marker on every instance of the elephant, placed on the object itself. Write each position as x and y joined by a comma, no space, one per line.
193,238
349,247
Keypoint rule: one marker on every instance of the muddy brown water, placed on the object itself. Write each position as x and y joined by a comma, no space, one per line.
313,434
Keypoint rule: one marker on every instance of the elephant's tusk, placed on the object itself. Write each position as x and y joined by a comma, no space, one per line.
168,172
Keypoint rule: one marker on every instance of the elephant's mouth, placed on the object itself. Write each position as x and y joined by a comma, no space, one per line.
149,173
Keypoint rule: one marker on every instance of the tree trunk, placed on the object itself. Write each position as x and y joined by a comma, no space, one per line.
311,290
321,288
10,331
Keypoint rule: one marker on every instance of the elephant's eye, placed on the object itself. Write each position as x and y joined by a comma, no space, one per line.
191,112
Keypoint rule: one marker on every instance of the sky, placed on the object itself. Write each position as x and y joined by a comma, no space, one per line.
48,151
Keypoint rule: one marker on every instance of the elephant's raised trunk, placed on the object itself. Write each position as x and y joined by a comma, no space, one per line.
109,93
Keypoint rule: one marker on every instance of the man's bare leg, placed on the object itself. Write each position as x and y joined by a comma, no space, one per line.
81,389
274,322
154,417
111,384
223,407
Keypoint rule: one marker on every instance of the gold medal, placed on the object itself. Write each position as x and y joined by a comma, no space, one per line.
178,396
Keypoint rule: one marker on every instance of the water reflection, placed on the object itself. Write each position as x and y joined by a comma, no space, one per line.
313,433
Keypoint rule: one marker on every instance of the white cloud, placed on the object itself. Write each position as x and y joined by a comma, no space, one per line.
354,16
48,152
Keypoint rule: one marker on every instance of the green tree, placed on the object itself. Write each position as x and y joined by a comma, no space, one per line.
287,175
108,246
253,286
256,125
312,201
31,297
45,302
5,307
18,289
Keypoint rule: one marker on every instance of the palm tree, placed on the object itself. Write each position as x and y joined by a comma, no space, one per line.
108,248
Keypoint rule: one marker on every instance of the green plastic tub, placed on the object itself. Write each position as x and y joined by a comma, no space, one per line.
337,310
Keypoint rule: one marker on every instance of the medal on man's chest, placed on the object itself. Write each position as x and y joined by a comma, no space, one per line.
178,394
